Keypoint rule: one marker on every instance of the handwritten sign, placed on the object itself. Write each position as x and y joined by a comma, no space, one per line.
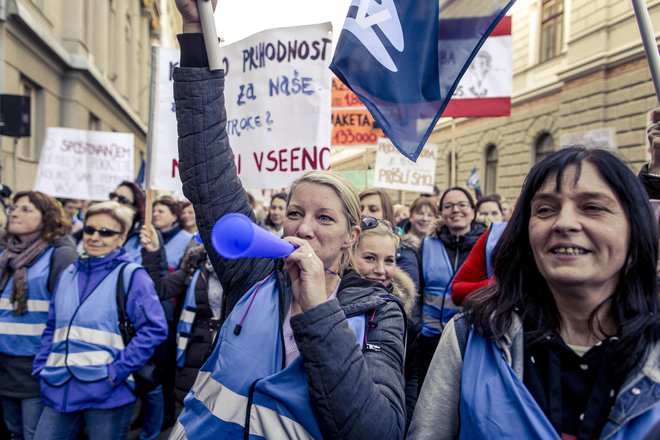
164,157
352,124
81,164
277,96
394,171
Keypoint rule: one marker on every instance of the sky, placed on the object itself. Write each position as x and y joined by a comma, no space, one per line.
237,19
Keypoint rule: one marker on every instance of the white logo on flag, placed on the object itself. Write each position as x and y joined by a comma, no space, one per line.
370,13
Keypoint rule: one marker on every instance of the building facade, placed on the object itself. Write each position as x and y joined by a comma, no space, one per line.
85,64
579,67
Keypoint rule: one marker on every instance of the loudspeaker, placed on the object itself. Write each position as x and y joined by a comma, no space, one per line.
15,115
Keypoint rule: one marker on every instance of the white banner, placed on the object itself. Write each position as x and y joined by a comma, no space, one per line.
394,171
164,166
81,164
277,95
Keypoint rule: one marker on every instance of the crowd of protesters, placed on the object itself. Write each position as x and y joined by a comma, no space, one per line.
448,317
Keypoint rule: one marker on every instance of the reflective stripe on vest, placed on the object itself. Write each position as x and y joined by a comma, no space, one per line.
86,338
438,307
494,234
20,335
176,247
134,248
216,406
186,321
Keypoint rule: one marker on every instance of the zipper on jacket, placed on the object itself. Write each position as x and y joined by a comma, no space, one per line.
246,429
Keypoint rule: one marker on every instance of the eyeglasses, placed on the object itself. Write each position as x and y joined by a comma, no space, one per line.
22,209
371,222
121,199
105,233
451,206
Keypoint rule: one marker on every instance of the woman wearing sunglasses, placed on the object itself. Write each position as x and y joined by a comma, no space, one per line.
315,351
130,195
38,248
84,365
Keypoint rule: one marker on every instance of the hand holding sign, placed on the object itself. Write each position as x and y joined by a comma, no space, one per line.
192,22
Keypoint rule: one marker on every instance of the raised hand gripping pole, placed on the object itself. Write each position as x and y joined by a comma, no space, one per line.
648,39
205,9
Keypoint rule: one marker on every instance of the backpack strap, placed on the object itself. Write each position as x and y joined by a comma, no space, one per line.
123,285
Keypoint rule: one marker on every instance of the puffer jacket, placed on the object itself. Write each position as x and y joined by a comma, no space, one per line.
355,394
437,413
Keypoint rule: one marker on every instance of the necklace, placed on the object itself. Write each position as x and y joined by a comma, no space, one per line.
331,272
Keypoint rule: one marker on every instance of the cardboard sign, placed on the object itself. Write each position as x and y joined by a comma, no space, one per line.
352,124
277,96
394,171
82,164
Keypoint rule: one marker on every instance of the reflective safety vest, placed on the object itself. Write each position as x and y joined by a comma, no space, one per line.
494,234
86,337
176,247
20,335
244,384
186,321
134,248
438,273
487,379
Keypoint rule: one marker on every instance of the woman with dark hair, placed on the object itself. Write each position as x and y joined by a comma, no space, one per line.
130,195
442,254
274,221
569,333
188,217
87,357
489,210
38,248
375,202
167,219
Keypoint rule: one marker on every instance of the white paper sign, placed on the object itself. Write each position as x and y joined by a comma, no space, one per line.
598,138
82,164
164,167
394,171
277,96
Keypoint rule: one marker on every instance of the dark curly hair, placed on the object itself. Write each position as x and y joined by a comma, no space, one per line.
140,200
55,224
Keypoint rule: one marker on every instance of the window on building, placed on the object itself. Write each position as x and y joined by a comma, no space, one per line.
552,28
490,179
94,123
30,147
449,168
545,144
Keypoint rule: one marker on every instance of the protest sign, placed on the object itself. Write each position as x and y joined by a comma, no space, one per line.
164,157
352,124
598,138
393,171
277,96
81,164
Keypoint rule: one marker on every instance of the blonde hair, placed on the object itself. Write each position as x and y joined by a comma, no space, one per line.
350,202
379,230
120,213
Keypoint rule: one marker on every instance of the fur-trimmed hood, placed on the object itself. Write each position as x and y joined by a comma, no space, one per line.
403,288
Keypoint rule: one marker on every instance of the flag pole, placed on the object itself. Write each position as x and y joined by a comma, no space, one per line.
205,9
453,152
648,39
153,92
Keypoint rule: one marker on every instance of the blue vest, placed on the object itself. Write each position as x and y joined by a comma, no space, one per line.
494,402
134,248
186,322
86,337
438,273
20,335
176,247
244,375
496,230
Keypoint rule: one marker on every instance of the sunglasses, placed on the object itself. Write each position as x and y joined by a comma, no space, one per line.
121,199
105,233
372,222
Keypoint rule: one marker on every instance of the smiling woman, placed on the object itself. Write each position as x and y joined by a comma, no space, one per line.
571,322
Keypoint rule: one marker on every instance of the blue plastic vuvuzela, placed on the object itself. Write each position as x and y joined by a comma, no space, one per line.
236,236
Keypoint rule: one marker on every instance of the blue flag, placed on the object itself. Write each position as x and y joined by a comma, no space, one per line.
404,59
